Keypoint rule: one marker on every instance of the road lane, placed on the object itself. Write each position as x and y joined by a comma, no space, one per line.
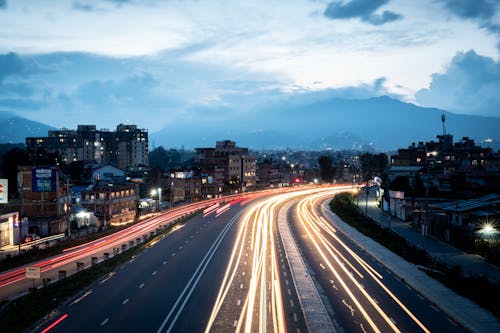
141,294
364,295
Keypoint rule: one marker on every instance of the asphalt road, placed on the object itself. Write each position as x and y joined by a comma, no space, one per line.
362,294
175,285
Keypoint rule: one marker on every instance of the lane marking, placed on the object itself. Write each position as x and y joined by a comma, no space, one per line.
51,326
104,321
154,273
173,254
239,302
165,262
125,301
141,285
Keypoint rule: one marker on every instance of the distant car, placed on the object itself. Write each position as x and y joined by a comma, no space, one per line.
30,237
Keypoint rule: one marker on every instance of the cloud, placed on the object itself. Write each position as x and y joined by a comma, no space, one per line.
482,11
82,6
11,64
469,85
363,9
3,4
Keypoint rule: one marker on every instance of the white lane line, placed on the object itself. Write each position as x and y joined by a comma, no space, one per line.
241,286
289,291
418,295
154,273
393,321
295,317
104,321
291,303
165,262
235,323
451,321
434,308
322,266
239,302
286,281
141,285
180,247
125,301
243,273
173,254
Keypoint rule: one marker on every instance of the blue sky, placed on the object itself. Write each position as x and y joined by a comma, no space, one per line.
151,62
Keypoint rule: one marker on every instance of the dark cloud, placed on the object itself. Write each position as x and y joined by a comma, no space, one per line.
363,9
116,92
481,11
11,64
3,4
387,16
82,6
470,85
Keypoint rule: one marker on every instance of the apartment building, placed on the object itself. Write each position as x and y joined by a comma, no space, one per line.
230,166
127,147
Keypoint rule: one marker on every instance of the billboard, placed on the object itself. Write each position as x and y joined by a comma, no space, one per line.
4,190
43,179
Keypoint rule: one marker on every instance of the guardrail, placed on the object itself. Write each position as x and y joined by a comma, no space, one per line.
45,239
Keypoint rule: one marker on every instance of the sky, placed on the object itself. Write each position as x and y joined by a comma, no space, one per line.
152,62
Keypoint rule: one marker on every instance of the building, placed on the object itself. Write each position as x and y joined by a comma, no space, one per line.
45,199
127,147
112,204
188,186
231,168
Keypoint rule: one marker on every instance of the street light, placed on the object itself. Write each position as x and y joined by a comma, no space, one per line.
154,192
488,232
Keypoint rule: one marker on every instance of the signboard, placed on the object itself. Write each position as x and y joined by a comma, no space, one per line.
397,194
4,190
43,179
32,272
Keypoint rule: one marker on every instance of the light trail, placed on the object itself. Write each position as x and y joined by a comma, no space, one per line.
318,230
262,309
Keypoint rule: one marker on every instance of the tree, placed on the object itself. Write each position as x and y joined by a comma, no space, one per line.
11,160
164,159
327,171
373,164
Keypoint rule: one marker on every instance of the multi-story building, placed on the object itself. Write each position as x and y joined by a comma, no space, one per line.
45,199
230,166
111,204
127,147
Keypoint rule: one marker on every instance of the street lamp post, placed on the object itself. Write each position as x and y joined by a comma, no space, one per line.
488,231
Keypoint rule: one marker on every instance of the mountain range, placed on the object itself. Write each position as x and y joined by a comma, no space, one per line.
379,123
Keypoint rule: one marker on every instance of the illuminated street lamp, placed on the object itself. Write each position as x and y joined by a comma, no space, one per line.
488,232
154,192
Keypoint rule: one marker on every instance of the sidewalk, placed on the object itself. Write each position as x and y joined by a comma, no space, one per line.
470,264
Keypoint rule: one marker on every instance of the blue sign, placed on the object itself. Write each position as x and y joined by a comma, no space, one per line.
43,179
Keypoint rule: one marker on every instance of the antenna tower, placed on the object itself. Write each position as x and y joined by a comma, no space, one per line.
443,120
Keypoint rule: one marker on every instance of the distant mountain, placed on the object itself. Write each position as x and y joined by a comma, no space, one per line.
377,123
15,129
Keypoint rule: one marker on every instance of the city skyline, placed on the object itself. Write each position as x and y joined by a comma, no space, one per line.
153,62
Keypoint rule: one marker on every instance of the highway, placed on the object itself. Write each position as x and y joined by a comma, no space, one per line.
218,272
229,270
364,296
